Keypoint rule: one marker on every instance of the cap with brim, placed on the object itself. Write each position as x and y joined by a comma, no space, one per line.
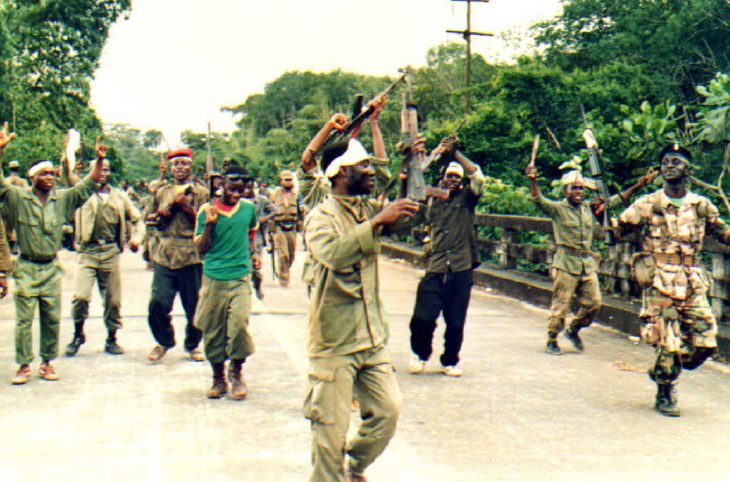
454,168
354,154
14,165
575,177
286,176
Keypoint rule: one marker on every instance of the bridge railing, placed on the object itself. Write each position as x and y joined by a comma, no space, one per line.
615,271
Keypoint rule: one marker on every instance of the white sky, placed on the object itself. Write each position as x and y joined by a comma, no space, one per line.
174,63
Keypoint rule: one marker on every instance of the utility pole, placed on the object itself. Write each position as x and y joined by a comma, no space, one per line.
467,34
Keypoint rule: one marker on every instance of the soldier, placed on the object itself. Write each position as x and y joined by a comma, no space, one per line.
287,221
347,330
14,177
101,232
454,254
37,216
265,210
574,269
177,264
675,315
224,234
315,187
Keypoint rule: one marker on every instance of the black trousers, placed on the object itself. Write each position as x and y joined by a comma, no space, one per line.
166,283
441,292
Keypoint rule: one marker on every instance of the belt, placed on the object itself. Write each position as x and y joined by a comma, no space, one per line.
100,242
37,260
583,253
688,260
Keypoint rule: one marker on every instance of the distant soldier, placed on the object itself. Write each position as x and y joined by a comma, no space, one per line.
177,264
224,234
265,210
575,265
446,286
101,233
287,221
37,216
14,177
675,314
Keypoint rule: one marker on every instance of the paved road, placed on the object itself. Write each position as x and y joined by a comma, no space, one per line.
517,414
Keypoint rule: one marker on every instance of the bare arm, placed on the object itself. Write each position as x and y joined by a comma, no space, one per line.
378,143
336,122
203,241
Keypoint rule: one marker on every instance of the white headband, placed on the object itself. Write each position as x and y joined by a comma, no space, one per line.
39,167
455,168
355,153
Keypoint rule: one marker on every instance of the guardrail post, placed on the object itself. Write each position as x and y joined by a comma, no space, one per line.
505,261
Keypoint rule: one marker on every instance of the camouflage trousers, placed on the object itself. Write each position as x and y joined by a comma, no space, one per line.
587,292
684,332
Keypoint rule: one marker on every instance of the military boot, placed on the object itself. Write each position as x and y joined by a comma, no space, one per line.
239,389
552,347
666,400
78,340
219,387
572,335
111,346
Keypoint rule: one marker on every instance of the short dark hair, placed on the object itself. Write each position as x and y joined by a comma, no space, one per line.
239,172
332,152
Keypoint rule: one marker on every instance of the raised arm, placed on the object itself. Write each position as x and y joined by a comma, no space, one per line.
378,143
336,122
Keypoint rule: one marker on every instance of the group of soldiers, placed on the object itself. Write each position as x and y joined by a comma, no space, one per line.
206,245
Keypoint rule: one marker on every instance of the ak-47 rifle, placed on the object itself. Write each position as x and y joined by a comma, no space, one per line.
210,167
360,114
597,175
272,251
415,183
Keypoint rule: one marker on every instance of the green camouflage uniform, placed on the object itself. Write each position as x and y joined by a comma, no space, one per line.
575,267
38,272
348,334
675,314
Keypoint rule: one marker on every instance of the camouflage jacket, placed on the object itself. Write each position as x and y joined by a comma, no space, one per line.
674,237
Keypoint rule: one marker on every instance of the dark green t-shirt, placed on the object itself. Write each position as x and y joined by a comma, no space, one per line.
228,258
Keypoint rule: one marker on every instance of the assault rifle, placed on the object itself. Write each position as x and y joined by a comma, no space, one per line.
210,167
272,251
360,114
597,175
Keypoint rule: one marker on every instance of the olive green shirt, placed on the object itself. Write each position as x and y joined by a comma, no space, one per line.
573,232
175,248
6,262
38,225
346,313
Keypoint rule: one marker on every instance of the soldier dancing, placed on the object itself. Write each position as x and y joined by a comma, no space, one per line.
101,232
675,314
37,215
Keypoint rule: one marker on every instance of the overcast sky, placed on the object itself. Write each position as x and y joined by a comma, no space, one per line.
174,63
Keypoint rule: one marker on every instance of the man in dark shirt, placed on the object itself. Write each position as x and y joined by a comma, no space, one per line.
454,254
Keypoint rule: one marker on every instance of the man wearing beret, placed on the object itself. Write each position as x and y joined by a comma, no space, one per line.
287,221
101,232
454,254
177,267
37,215
574,269
675,315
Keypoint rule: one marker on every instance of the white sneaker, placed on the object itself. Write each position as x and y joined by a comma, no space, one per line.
451,371
416,365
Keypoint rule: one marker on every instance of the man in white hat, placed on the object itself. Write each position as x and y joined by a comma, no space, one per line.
454,254
575,266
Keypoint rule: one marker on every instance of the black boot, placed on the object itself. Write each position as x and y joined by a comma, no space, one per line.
111,346
219,387
552,347
78,340
572,335
666,400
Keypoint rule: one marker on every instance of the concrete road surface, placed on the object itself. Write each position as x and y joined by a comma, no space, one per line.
517,413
